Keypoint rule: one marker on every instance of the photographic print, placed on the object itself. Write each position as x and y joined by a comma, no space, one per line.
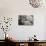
25,20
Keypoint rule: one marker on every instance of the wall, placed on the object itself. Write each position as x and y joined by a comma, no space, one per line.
14,8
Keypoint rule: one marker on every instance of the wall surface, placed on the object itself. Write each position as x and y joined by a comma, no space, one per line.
14,8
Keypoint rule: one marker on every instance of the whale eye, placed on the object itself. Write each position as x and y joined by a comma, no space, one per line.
35,3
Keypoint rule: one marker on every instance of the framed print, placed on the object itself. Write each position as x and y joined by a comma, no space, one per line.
25,20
